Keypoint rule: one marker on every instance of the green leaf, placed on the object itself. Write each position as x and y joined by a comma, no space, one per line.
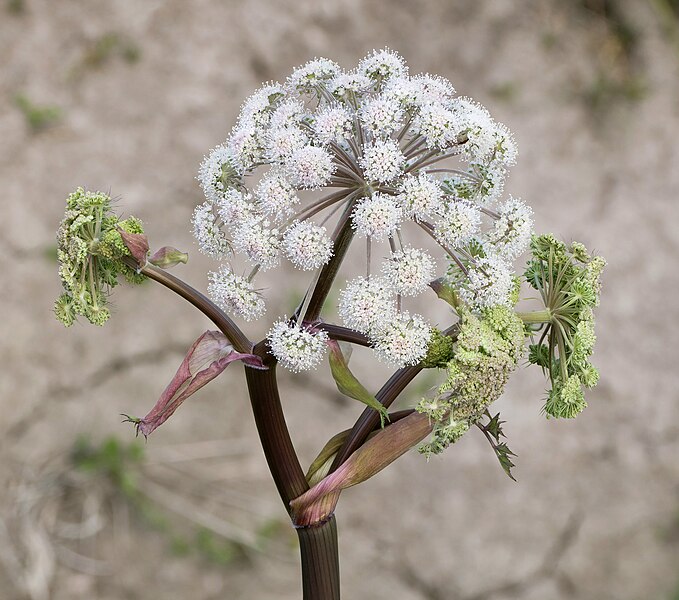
347,383
494,429
503,455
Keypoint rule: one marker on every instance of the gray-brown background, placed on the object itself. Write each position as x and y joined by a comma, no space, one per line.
144,89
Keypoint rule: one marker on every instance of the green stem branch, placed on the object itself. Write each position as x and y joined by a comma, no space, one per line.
536,316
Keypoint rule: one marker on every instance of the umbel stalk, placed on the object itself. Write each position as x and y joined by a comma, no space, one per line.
318,543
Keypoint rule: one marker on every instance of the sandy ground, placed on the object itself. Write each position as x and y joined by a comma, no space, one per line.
594,514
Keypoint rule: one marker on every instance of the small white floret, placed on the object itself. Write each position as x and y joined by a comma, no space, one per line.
404,340
377,216
420,196
409,271
382,161
297,348
367,305
211,239
458,223
235,294
309,167
307,245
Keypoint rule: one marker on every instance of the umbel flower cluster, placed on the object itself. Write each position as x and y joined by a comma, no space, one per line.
384,158
411,173
371,149
89,250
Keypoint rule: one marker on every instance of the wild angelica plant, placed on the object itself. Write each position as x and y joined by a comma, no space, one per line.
368,153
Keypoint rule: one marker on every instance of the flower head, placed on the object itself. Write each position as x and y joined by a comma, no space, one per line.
332,124
513,229
367,304
235,294
377,216
309,167
403,341
376,143
91,252
489,283
382,65
382,161
315,72
420,196
307,245
259,241
211,239
297,348
409,271
276,196
381,115
459,223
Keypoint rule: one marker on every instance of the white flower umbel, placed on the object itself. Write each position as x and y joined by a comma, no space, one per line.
245,145
211,239
282,142
367,305
409,271
420,197
348,86
489,283
513,230
332,124
382,161
377,217
434,89
439,126
307,245
458,224
382,65
289,113
371,148
403,341
235,294
297,348
315,72
259,241
381,116
234,207
310,167
275,195
216,172
256,110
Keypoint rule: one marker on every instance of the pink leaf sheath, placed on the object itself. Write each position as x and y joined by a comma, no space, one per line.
209,355
137,244
318,503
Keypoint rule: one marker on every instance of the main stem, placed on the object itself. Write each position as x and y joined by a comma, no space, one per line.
318,544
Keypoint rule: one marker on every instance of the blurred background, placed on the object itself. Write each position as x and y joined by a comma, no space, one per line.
127,97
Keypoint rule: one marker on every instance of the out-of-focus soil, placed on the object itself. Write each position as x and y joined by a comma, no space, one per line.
594,514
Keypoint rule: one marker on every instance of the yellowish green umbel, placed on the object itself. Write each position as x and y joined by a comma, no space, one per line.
568,279
90,250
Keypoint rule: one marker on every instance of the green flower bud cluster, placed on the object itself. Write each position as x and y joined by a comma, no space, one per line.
89,250
440,351
568,279
488,349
